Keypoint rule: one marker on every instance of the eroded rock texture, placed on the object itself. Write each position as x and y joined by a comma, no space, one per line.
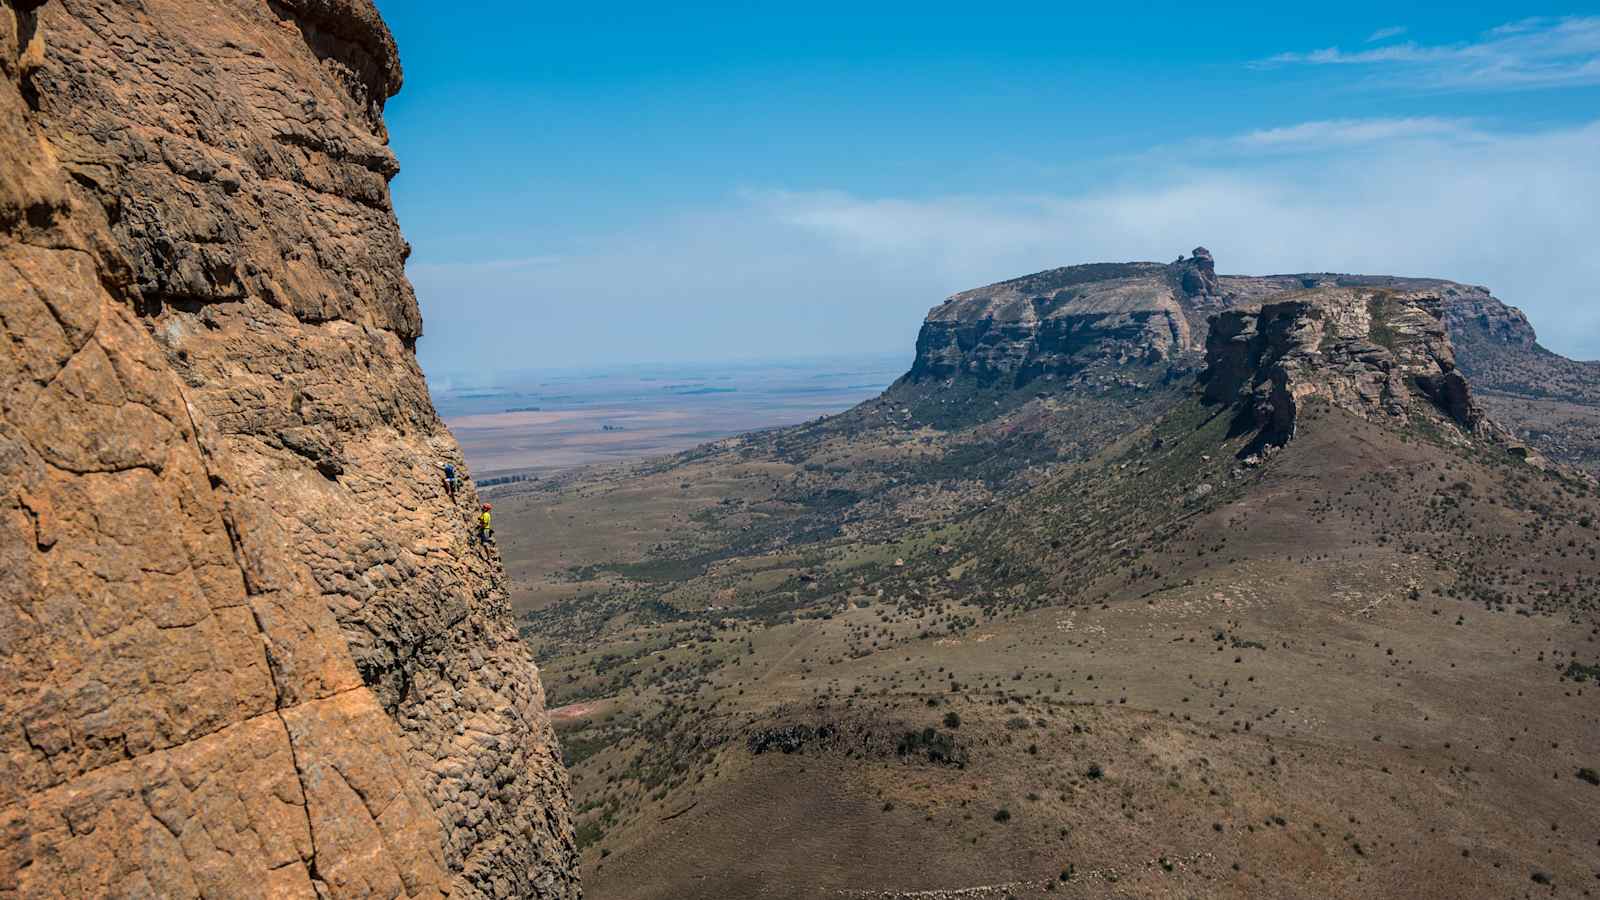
1103,317
1064,321
1375,353
245,648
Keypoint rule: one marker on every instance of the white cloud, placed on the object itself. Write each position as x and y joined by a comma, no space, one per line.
784,273
1330,133
1518,213
1383,34
1521,26
1530,53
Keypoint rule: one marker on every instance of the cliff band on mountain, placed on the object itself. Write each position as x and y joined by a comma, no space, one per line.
1140,324
1060,322
1370,352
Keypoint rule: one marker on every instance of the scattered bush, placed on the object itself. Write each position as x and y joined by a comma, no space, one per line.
938,747
1581,673
589,833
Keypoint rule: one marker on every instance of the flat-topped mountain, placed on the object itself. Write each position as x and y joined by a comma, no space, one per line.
1062,321
1137,322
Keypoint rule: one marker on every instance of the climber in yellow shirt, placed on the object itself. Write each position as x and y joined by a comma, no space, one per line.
485,532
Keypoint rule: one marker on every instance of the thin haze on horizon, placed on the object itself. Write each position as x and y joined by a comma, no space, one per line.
590,187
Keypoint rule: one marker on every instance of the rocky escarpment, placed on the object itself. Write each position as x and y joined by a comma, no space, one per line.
1374,353
1544,398
1501,352
245,647
1061,322
1473,314
1133,325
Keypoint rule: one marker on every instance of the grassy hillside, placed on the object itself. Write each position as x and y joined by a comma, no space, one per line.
848,659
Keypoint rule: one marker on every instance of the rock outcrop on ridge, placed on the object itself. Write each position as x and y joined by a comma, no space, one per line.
1372,352
245,647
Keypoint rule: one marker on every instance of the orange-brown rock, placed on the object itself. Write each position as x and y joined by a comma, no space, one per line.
1372,352
245,647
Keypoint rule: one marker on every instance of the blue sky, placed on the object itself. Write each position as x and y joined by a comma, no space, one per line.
590,184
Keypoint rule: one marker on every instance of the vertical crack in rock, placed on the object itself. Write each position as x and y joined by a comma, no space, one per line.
310,860
218,484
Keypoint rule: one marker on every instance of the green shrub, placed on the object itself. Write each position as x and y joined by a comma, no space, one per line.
589,833
1580,673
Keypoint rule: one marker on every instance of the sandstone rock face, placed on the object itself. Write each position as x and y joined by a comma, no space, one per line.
1101,319
245,648
1375,353
1544,398
1472,312
1060,322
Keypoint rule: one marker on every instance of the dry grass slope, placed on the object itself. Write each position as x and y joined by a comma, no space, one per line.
1128,665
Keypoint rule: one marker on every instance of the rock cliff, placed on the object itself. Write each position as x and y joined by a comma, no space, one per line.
245,647
1131,325
1064,321
1372,352
1545,399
